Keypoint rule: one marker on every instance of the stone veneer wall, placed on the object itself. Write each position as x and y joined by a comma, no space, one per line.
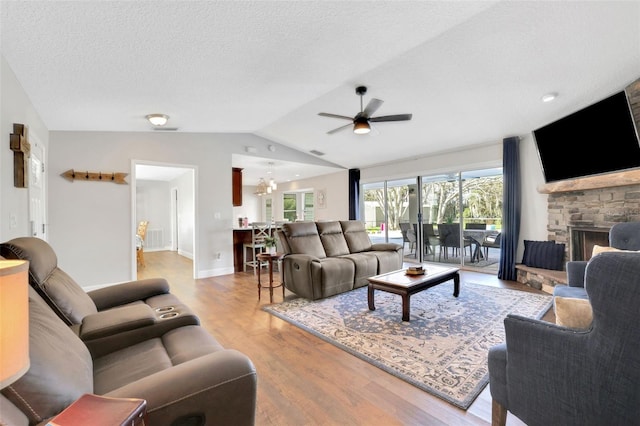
600,208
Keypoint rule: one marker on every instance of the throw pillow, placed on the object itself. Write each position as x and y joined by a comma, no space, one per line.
602,249
573,312
543,254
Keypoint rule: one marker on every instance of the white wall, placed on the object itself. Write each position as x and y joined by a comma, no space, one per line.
15,107
186,210
92,223
153,203
251,207
534,218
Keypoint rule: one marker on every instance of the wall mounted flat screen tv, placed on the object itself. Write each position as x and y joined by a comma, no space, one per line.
600,138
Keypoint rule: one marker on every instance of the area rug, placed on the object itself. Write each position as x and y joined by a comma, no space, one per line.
442,349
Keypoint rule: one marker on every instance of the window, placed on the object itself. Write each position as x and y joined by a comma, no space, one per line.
298,206
308,206
268,210
289,207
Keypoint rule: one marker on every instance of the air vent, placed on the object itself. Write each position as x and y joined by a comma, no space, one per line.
316,152
165,129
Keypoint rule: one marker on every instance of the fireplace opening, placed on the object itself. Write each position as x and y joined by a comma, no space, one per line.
583,239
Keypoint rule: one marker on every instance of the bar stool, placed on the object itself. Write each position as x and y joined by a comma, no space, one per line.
259,231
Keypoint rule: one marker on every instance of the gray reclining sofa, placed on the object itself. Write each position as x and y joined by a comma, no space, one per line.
327,258
118,341
131,310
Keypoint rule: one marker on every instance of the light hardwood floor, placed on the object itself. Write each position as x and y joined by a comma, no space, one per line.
303,380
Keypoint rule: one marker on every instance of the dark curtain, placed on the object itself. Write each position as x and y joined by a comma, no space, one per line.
510,208
354,194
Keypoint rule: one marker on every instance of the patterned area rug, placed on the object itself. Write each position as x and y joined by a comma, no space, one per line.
442,350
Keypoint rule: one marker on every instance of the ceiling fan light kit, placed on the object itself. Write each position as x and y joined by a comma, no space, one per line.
362,120
361,127
157,119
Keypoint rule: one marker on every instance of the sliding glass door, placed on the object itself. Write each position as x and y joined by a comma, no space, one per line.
391,214
438,218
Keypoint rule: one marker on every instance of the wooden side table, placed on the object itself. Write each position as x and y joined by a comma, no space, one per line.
269,258
98,410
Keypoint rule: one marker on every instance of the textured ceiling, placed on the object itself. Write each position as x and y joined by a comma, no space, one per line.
470,72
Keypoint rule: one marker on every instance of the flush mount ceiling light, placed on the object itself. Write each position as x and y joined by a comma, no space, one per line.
157,119
549,97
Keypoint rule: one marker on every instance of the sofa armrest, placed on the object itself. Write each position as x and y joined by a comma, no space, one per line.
120,294
386,247
302,275
116,320
220,387
305,258
575,273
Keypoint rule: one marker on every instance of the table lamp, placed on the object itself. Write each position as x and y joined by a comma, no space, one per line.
14,320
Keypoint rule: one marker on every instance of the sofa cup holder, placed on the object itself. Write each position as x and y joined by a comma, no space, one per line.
165,309
169,315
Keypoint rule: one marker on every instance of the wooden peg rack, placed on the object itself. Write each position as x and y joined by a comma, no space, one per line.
118,178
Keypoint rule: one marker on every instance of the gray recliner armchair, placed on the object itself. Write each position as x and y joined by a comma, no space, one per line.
547,374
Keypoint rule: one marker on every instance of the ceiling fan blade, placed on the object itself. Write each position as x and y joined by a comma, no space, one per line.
330,132
344,117
372,107
398,117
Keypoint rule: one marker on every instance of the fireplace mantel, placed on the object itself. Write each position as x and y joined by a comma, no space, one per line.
610,180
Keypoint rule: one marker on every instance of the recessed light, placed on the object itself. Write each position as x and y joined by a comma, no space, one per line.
549,97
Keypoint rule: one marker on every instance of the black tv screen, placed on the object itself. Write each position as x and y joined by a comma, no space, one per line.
598,139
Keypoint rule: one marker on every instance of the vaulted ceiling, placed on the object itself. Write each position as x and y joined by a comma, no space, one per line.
470,72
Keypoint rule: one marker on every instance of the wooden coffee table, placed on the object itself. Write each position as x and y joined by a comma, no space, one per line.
399,282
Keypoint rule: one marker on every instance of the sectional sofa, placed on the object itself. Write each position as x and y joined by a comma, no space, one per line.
322,259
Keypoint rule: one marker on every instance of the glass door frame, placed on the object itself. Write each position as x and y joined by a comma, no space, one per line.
419,216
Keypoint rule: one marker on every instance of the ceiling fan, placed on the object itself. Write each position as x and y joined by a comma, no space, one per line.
362,121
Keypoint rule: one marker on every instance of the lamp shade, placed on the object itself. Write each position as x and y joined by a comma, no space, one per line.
14,320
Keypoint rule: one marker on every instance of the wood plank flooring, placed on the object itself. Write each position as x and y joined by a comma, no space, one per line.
303,380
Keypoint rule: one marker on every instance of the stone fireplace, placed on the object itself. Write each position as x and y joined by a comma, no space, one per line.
582,219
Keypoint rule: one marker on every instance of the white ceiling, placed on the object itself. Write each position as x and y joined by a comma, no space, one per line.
470,72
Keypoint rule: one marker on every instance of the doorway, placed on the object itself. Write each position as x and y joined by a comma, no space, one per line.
165,196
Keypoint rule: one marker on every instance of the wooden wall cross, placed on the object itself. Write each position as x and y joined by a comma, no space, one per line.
21,149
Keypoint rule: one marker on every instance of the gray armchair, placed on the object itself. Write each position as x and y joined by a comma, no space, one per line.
546,374
623,236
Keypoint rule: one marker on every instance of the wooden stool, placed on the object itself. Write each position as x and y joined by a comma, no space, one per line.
269,258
